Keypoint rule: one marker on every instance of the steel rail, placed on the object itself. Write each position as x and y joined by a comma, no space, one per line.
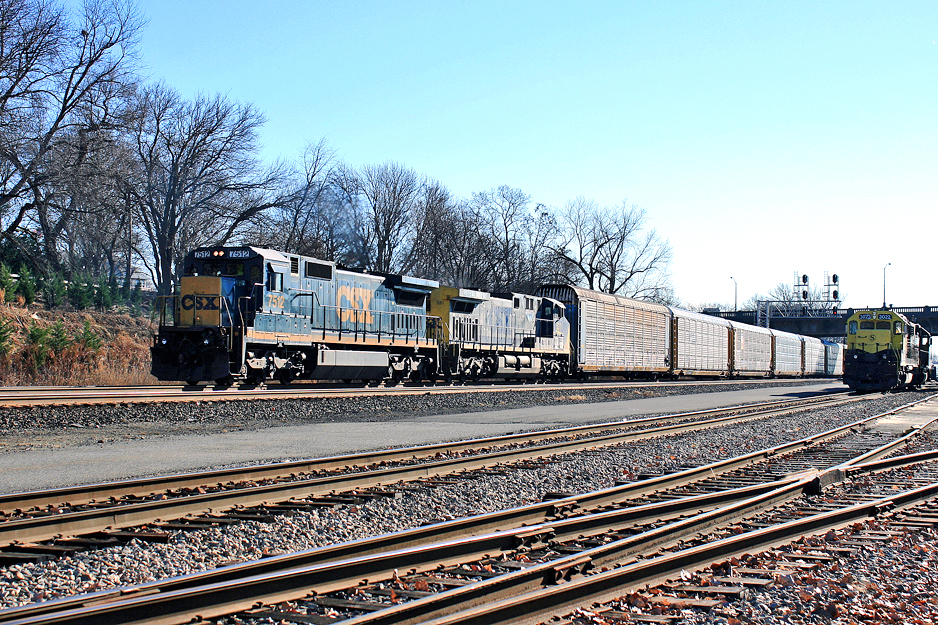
62,395
344,565
455,531
99,519
542,604
148,486
168,603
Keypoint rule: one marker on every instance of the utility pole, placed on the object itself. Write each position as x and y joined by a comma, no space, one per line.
884,284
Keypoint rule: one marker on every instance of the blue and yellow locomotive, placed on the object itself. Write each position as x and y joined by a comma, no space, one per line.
885,351
252,314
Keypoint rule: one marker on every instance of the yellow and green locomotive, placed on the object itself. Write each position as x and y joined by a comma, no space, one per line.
885,351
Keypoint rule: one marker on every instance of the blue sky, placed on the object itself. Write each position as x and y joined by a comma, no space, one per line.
761,138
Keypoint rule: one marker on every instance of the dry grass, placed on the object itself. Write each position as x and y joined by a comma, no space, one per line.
571,398
122,359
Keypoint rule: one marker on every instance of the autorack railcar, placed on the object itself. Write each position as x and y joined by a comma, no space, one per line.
834,358
614,334
700,344
752,350
885,351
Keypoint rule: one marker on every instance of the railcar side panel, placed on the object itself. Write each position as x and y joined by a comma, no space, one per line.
788,354
700,344
611,333
814,363
834,358
618,334
752,350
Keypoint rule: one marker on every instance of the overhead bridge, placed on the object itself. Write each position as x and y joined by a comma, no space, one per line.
824,324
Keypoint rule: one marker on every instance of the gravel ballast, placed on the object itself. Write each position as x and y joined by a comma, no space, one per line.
196,551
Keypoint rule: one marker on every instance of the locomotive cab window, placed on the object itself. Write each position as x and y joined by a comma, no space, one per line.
867,325
274,280
898,327
853,327
460,306
883,325
222,268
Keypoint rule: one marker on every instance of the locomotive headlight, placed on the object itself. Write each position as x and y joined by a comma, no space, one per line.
207,340
164,341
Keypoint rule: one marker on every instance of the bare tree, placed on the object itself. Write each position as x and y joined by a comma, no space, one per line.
313,219
436,212
200,181
385,202
612,252
505,213
96,216
58,84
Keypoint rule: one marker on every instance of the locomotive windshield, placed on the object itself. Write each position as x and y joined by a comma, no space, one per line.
228,269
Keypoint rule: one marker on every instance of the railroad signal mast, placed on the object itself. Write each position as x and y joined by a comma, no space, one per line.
802,302
832,289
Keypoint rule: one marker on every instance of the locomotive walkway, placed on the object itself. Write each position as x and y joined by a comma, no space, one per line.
30,470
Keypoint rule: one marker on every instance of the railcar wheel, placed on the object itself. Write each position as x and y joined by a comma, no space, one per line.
192,382
224,382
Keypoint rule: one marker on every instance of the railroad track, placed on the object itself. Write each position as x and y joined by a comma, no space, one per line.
568,539
68,395
96,511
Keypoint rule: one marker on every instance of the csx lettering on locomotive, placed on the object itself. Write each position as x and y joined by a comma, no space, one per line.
351,298
200,302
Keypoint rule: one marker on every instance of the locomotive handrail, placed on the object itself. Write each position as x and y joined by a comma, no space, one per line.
223,308
504,337
357,317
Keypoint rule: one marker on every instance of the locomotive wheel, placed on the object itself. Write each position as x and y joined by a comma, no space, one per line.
257,376
224,382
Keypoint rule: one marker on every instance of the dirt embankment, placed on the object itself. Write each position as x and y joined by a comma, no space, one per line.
42,347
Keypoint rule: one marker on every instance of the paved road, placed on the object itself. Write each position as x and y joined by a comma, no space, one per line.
30,470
